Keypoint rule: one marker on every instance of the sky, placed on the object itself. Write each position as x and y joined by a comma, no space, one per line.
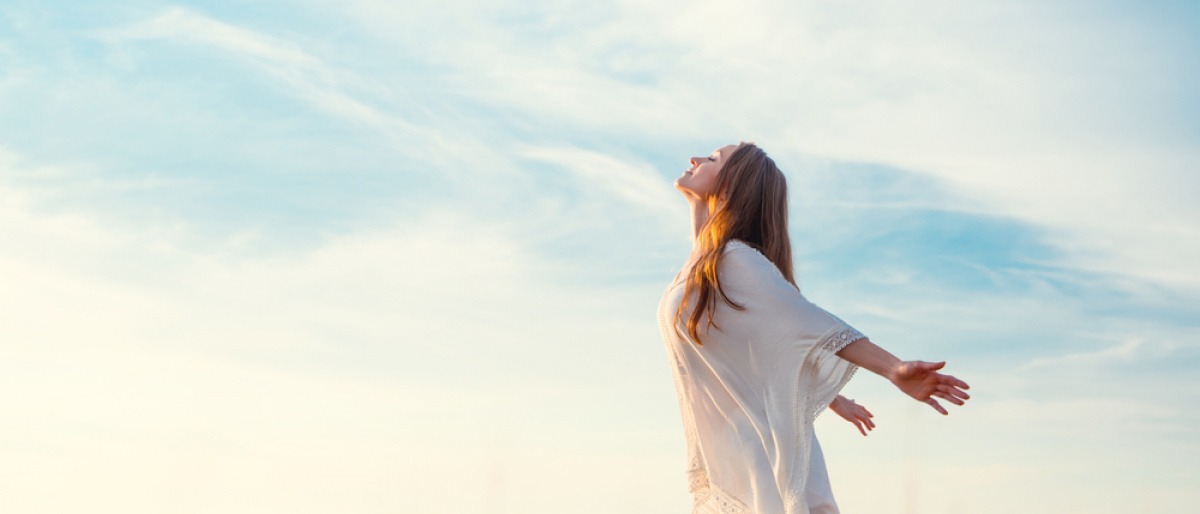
374,257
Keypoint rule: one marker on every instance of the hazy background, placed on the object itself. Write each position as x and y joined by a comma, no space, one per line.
371,256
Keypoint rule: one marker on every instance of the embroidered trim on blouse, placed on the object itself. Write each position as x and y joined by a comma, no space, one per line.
725,503
697,479
841,339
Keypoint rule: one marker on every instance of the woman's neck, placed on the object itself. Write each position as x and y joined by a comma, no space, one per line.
699,218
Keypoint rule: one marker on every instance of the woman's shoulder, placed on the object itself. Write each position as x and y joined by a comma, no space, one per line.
743,250
740,256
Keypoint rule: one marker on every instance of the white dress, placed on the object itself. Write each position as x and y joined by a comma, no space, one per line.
749,395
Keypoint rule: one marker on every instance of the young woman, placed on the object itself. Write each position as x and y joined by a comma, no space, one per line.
754,361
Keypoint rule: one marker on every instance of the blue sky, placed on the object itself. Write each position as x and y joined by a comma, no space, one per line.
373,257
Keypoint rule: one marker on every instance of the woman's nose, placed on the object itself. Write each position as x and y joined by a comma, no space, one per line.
693,160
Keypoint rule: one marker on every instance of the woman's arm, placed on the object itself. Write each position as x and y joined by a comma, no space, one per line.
917,379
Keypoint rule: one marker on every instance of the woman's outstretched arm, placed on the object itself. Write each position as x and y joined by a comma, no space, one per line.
917,379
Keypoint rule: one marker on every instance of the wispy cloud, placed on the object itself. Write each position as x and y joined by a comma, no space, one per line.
1120,352
633,181
333,90
931,92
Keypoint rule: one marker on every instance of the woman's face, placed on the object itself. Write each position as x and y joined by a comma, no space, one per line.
701,179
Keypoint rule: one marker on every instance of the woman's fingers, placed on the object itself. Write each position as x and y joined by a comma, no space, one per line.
953,386
948,397
948,379
936,406
870,424
953,391
932,366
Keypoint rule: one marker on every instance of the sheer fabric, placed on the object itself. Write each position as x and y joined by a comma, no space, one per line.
749,395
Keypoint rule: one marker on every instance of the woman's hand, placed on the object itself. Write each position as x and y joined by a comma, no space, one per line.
922,382
853,412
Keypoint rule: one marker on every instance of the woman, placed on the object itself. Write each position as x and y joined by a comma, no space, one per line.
754,362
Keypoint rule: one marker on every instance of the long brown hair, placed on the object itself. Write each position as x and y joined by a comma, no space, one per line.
750,204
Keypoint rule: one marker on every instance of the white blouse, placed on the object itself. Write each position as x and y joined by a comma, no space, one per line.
749,395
